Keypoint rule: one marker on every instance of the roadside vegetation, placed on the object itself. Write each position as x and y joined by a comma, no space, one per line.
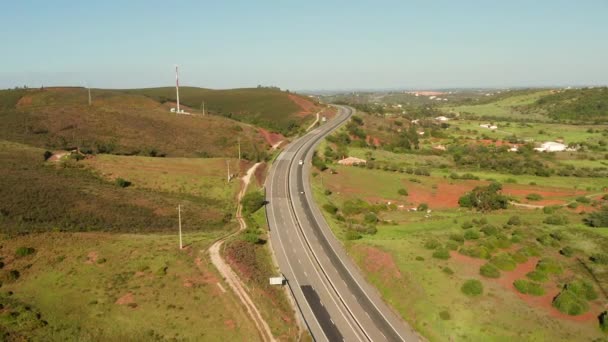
472,241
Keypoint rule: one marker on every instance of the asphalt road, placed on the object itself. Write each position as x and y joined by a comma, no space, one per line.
332,297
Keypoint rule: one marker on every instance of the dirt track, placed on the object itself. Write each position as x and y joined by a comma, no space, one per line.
230,276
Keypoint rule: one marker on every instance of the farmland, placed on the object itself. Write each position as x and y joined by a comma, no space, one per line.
527,266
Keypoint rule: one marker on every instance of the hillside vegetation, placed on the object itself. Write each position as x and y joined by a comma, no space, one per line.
575,104
119,123
270,108
41,196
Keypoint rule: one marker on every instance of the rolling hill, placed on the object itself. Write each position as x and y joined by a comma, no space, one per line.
119,123
269,108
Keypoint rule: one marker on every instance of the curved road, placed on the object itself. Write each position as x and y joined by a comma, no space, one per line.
332,297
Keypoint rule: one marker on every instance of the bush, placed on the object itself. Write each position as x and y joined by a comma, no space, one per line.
489,230
551,209
598,218
457,237
549,266
327,192
504,262
370,218
402,192
528,287
422,207
252,201
569,303
603,318
472,288
583,199
537,275
352,235
567,251
519,258
441,253
123,183
556,220
489,271
582,289
534,197
514,221
484,198
475,252
355,207
452,245
467,225
599,258
24,251
471,235
47,155
432,244
444,315
330,208
447,270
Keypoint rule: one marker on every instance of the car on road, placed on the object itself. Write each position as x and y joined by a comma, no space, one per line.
301,162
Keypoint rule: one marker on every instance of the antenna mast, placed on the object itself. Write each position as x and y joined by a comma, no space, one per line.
177,87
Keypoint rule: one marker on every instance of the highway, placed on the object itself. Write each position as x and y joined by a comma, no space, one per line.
331,295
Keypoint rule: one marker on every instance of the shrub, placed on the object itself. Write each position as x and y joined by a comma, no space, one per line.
24,251
573,205
530,251
47,155
547,240
569,303
489,271
583,199
598,218
514,221
355,207
484,198
599,258
370,218
472,288
432,244
549,266
402,192
504,262
441,253
475,252
452,245
528,287
467,225
582,289
556,220
423,207
252,201
519,257
471,235
567,251
444,315
419,258
457,237
123,183
352,235
447,270
537,275
327,192
551,209
603,318
489,230
534,197
330,208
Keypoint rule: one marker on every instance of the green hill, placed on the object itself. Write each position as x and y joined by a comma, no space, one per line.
588,104
270,108
120,123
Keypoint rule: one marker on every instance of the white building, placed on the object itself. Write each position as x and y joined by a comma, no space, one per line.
552,146
489,126
442,118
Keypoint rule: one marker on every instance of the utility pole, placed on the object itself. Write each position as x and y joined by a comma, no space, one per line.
179,215
177,88
228,165
239,164
203,106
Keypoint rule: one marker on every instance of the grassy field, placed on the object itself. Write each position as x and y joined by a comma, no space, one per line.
505,107
425,290
265,107
116,287
40,196
120,123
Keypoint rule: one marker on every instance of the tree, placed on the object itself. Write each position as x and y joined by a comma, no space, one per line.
485,198
253,201
598,218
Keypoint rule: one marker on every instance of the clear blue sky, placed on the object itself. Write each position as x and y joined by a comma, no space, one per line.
305,44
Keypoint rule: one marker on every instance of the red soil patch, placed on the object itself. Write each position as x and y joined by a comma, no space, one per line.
126,299
372,140
24,101
307,107
446,195
91,258
329,112
230,324
271,138
379,262
508,277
